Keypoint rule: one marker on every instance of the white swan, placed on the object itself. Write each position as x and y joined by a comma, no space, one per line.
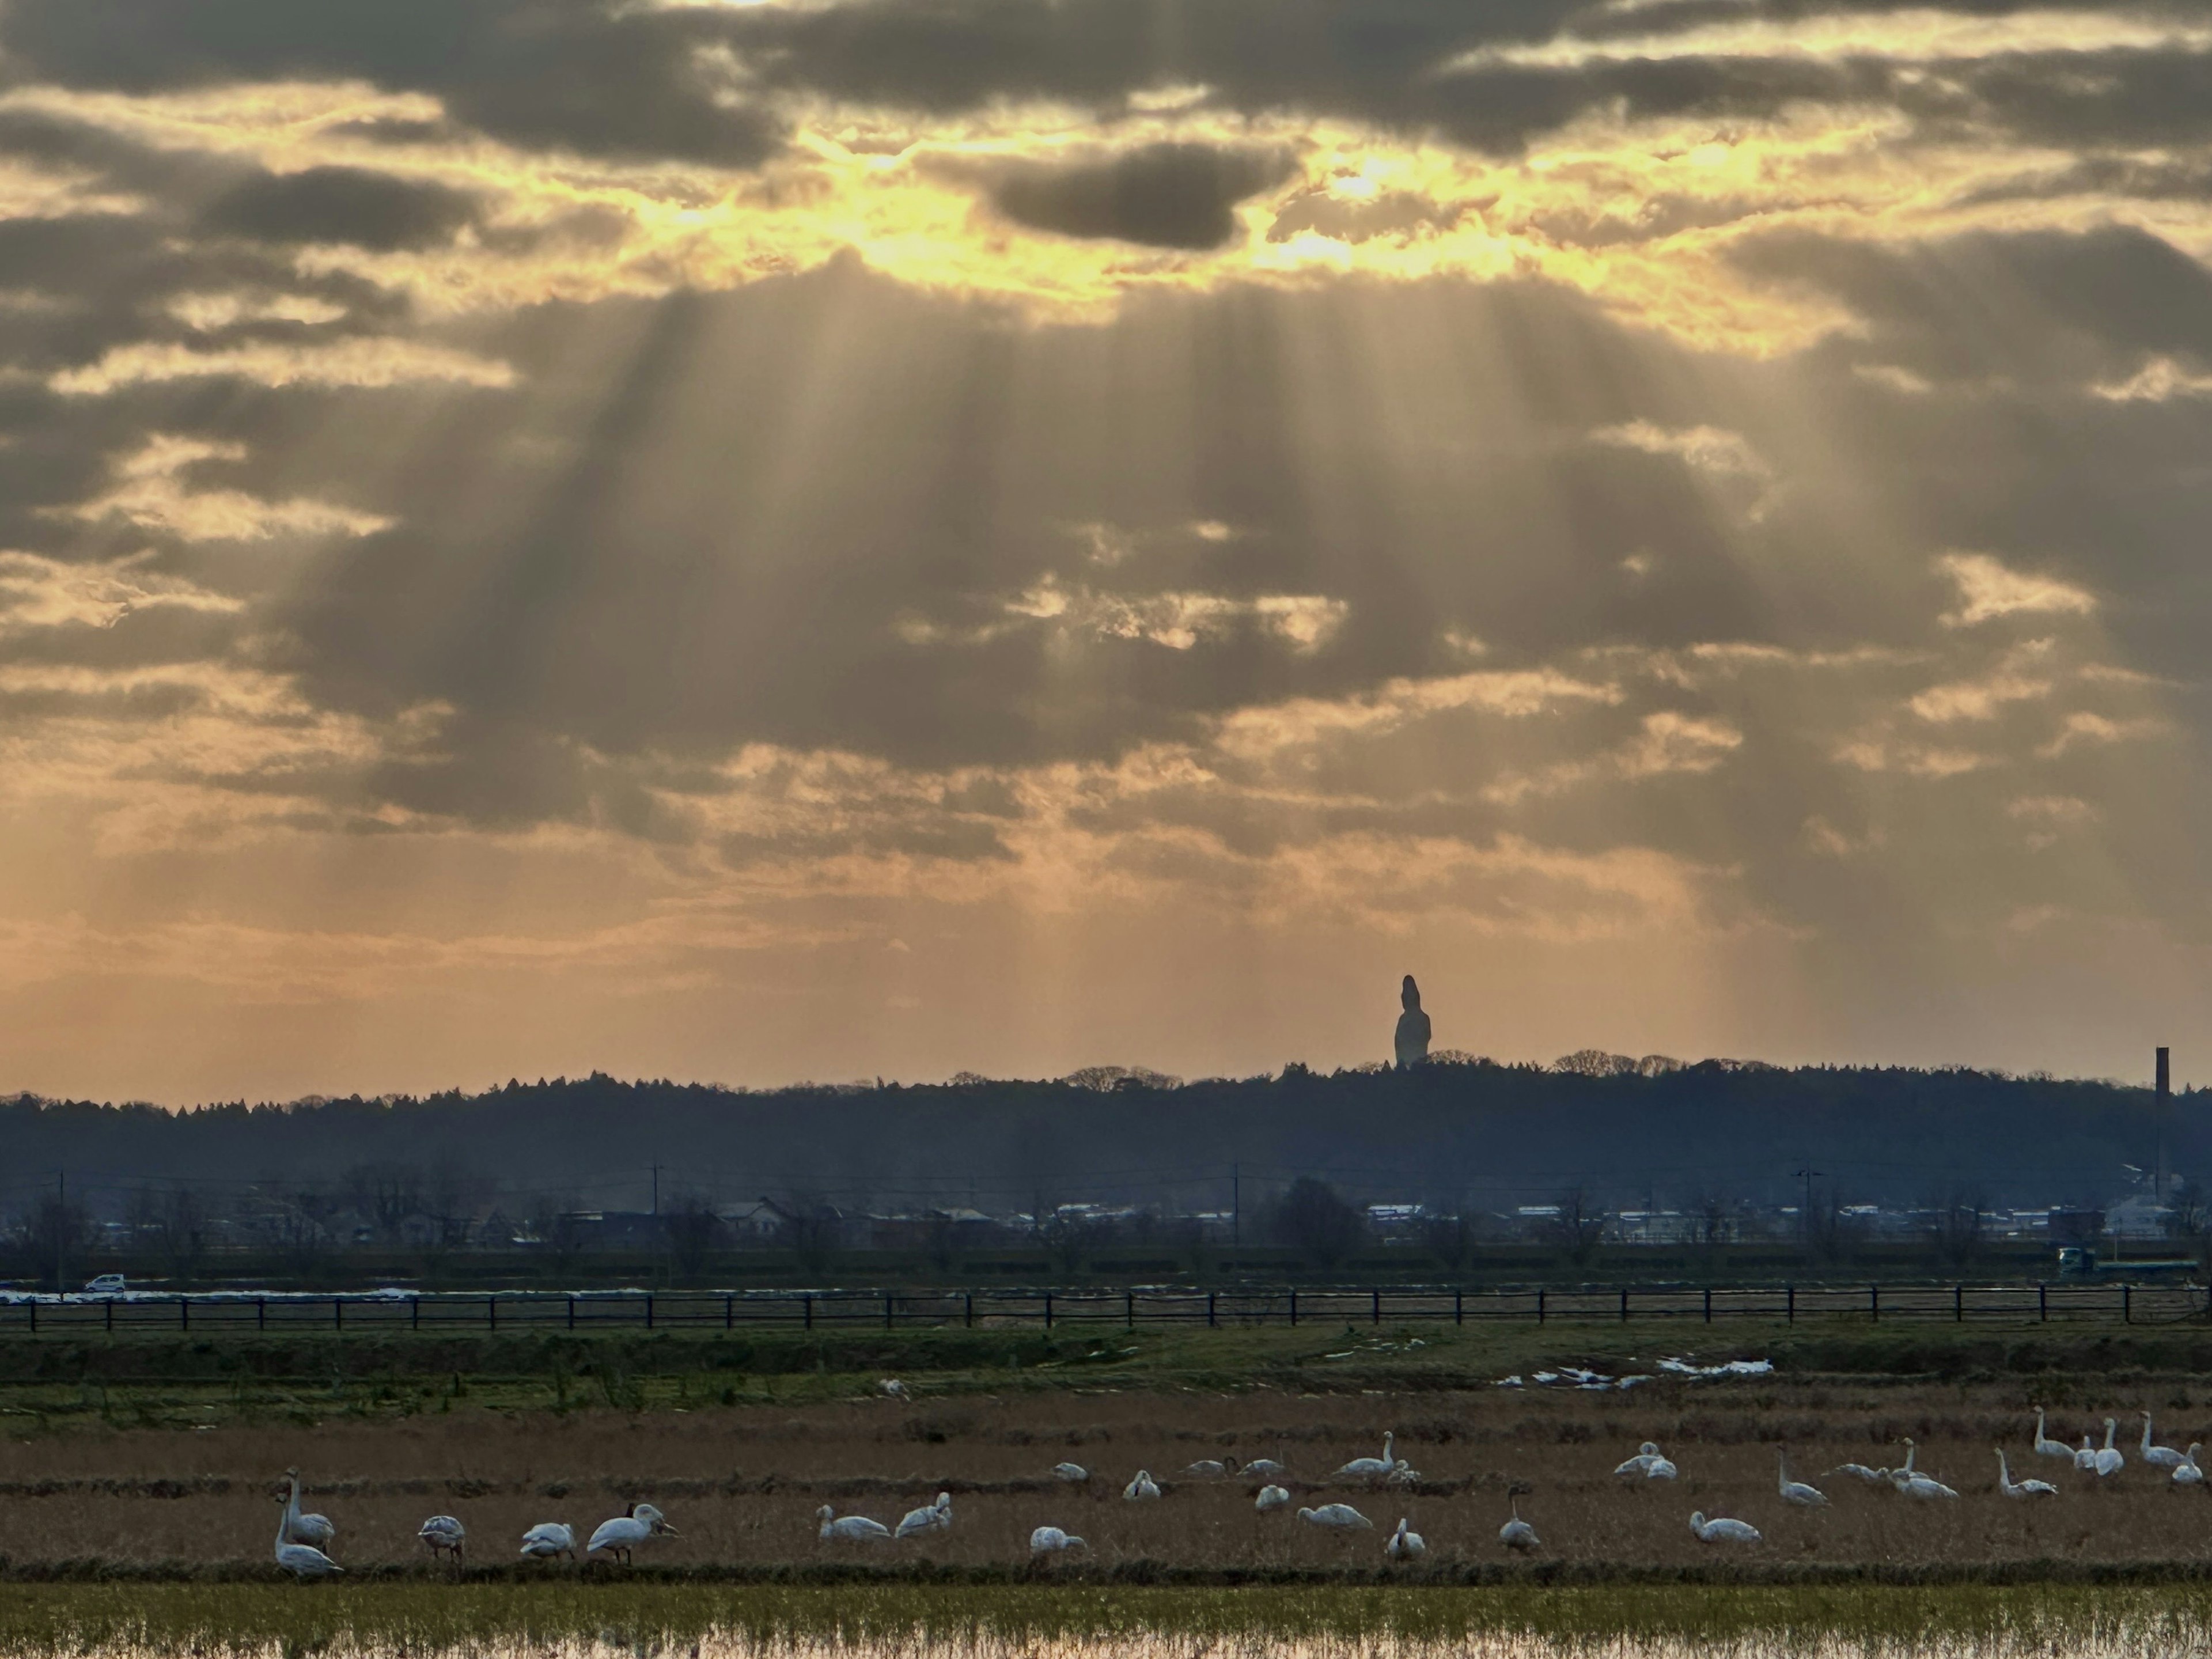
1861,1472
2012,1488
1336,1515
1368,1469
850,1528
2187,1472
1661,1468
445,1536
1070,1471
1050,1540
300,1560
624,1534
2086,1459
893,1388
300,1529
2047,1447
1796,1492
2159,1458
1262,1469
1722,1530
1142,1488
2109,1460
1271,1497
1404,1475
1211,1468
932,1517
1404,1545
1642,1462
549,1539
1517,1533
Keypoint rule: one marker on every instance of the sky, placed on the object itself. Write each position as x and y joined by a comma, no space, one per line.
834,538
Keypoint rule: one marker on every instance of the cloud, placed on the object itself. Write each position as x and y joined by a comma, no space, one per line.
367,209
1988,590
151,494
36,592
353,361
1162,195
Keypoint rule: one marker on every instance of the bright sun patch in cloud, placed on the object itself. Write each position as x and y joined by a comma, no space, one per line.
1988,589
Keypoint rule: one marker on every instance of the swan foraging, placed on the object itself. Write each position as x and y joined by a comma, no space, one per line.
1722,1530
2012,1488
619,1536
2187,1472
1271,1497
300,1560
850,1528
1336,1515
1861,1472
1050,1540
549,1539
1142,1489
300,1529
1070,1471
1517,1533
445,1536
2159,1458
1262,1469
931,1517
1796,1492
2047,1447
1646,1454
1661,1468
2109,1461
1404,1475
1211,1468
1404,1545
1368,1469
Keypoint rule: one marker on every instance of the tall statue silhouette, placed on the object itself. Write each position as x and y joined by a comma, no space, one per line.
1412,1039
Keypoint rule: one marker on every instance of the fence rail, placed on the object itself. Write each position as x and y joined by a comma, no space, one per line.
849,1309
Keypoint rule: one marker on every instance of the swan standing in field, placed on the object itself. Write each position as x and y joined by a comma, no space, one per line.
1517,1533
1336,1515
1212,1469
2109,1461
1262,1469
1796,1492
301,1560
2159,1458
619,1536
2012,1488
849,1528
1271,1497
1070,1471
1141,1489
2045,1446
2086,1459
1722,1530
2186,1472
1370,1468
549,1539
445,1536
300,1529
1861,1472
1641,1463
1051,1540
1404,1545
932,1517
1912,1483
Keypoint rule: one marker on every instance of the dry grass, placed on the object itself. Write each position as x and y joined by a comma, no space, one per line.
743,1483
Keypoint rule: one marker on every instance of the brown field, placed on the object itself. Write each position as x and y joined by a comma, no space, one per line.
742,1482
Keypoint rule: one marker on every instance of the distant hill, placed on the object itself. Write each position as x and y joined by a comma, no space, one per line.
1459,1131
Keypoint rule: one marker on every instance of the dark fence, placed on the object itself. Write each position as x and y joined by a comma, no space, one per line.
841,1309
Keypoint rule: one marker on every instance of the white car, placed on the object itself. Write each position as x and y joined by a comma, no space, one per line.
105,1284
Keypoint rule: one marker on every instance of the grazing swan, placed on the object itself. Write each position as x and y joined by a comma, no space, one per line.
1796,1492
1722,1530
1404,1475
850,1528
2012,1488
2086,1459
1142,1488
1372,1468
619,1536
1646,1454
894,1389
1262,1469
300,1560
1050,1540
1661,1468
2186,1472
1517,1533
932,1517
1271,1497
1913,1484
549,1539
2047,1447
1336,1515
1211,1468
300,1529
1404,1545
2159,1458
2109,1460
1070,1471
443,1534
1861,1472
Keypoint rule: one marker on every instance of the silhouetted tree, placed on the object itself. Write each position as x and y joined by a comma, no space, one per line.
1579,1226
692,1229
50,1237
1314,1220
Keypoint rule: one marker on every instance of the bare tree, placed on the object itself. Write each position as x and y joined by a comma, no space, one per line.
173,1221
48,1236
692,1229
451,1200
1313,1219
553,1221
1579,1226
387,1193
1955,1226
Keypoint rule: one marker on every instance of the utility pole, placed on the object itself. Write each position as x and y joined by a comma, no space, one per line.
1237,1203
1805,1214
656,1190
61,1234
2158,1113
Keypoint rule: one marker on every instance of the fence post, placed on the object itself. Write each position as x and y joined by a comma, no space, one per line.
415,1313
1624,1304
1540,1307
1873,1302
1047,1311
111,1315
809,1300
1459,1306
1708,1304
260,1313
184,1313
729,1312
337,1313
1958,1304
491,1312
649,1311
1209,1311
2043,1302
1130,1311
2127,1304
969,1297
35,1313
1789,1315
887,1312
1378,1308
1294,1306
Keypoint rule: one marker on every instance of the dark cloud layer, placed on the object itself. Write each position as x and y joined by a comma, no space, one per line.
1162,195
341,204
